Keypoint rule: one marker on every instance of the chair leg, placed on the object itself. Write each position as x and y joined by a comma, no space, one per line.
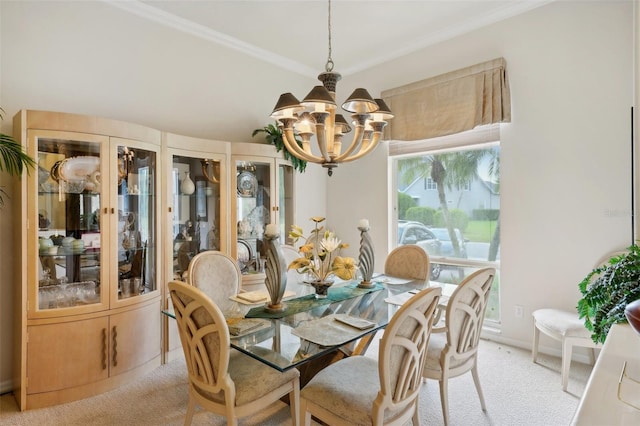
444,401
305,416
294,403
476,380
567,348
536,339
191,407
416,413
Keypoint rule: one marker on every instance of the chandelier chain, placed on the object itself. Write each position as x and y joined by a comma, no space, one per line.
329,66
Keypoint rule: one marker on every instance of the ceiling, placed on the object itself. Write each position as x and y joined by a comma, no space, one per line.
294,34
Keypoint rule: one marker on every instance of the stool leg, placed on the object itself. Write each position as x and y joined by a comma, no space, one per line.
536,338
567,348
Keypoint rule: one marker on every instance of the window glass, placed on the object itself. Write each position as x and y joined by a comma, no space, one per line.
448,202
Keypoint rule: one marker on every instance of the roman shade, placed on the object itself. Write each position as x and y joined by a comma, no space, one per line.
450,103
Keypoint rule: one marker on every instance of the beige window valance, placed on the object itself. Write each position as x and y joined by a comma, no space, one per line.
450,103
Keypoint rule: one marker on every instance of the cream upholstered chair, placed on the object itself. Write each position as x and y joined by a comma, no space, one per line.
568,328
360,390
409,261
453,349
217,275
223,380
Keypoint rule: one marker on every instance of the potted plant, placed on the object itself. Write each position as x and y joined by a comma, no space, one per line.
273,135
13,159
607,290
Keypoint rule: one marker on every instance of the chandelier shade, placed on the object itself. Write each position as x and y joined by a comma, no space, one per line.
317,116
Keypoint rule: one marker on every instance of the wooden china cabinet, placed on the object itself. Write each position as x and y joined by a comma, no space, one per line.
109,204
89,300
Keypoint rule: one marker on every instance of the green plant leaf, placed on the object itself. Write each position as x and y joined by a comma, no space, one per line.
607,290
273,135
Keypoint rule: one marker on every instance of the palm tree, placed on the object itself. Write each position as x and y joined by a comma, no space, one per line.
13,159
447,170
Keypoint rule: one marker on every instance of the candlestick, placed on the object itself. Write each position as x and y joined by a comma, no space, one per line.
275,271
366,258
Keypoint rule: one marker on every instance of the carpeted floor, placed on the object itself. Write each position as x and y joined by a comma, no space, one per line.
517,392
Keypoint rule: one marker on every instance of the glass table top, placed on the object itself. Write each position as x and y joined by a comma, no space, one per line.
290,341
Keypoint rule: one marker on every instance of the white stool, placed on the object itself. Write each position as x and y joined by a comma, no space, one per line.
566,327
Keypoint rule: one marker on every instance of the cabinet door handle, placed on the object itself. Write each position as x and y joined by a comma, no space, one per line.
106,210
104,348
115,346
113,210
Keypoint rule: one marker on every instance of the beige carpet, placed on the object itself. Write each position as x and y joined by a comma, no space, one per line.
517,392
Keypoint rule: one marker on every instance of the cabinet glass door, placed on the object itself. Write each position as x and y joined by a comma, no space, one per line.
285,201
137,243
196,209
68,205
253,208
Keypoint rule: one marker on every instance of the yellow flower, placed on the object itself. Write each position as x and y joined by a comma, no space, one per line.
344,267
320,253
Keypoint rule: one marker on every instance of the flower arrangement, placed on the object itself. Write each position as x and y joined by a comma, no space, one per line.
321,254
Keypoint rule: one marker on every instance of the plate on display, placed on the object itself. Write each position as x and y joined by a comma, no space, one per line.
247,184
76,168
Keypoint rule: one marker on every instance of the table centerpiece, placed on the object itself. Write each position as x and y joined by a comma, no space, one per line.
320,257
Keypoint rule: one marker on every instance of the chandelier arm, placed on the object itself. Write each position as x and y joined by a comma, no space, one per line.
374,142
321,138
356,142
290,142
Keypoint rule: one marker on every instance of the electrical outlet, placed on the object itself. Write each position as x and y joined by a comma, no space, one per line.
519,311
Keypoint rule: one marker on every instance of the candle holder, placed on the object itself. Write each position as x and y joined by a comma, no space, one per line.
366,258
275,270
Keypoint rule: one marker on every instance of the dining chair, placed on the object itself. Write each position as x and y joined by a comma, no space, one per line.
360,390
221,379
217,275
453,348
408,261
566,327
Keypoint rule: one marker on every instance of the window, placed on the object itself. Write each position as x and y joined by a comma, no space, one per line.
453,193
430,184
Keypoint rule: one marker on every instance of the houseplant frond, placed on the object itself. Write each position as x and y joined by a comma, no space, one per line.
607,290
273,135
13,159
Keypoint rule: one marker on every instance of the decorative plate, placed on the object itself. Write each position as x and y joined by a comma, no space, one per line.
76,168
247,184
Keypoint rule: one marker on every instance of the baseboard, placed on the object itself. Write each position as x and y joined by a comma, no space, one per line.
579,354
6,386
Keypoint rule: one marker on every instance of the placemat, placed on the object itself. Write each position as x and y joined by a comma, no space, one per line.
331,330
308,302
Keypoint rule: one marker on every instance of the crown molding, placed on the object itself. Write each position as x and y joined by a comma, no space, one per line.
172,21
154,14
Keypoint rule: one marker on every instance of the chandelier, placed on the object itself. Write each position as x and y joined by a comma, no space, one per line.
316,115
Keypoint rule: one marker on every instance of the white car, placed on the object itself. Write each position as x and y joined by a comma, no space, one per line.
418,234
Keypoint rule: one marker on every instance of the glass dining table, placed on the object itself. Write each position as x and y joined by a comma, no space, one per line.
311,333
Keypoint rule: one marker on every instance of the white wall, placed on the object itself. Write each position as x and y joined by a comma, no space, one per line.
570,69
565,161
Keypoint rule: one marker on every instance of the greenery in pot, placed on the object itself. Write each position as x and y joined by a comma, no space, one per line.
607,290
13,159
273,135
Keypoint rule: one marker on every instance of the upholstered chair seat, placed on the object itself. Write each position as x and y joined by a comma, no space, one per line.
359,390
